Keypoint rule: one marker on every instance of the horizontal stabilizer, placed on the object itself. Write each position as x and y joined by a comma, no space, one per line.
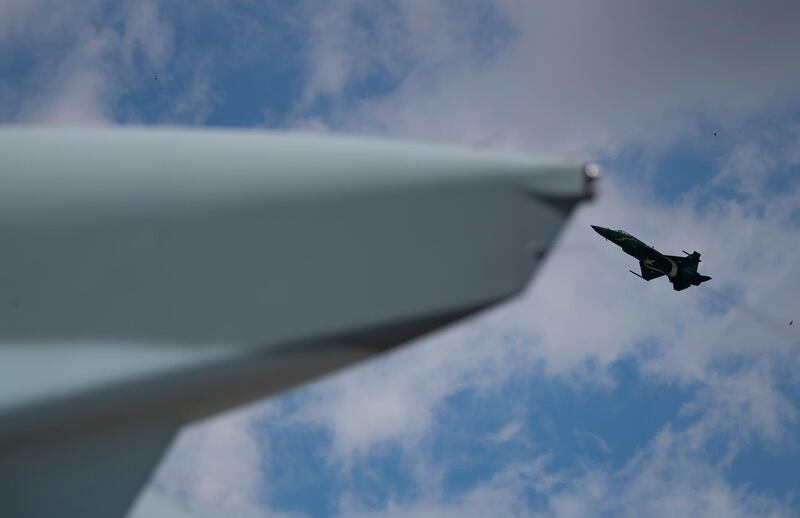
701,279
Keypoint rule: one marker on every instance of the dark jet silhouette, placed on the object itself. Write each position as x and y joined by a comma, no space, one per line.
681,271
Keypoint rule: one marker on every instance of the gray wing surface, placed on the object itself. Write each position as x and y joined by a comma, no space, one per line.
153,277
99,476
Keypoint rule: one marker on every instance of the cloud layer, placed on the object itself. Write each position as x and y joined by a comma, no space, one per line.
576,77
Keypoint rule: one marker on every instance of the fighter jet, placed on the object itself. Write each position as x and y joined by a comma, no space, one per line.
681,271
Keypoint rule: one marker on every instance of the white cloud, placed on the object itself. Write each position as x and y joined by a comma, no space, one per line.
42,21
80,88
673,475
405,388
145,30
508,432
591,441
85,56
575,77
195,104
216,465
748,405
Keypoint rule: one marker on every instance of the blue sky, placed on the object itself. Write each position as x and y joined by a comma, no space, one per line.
593,394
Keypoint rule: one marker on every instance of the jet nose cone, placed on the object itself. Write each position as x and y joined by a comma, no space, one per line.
601,230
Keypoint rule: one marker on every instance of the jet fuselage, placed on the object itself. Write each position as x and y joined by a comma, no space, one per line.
681,271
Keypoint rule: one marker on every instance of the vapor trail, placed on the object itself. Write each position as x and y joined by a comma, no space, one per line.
757,315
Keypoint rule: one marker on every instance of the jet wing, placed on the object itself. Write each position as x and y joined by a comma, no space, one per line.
153,277
648,272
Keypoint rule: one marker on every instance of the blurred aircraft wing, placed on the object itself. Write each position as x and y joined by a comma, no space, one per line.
151,277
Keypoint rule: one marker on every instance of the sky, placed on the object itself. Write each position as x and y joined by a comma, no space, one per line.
591,394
